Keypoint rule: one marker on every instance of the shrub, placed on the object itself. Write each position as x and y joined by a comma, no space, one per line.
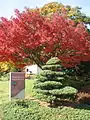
19,110
83,98
51,84
79,76
83,95
31,110
4,77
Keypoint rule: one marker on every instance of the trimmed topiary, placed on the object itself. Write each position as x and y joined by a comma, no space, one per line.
51,83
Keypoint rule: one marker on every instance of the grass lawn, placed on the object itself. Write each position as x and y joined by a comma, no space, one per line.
4,90
28,87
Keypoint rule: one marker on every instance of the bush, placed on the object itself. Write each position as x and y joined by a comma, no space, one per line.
79,75
83,98
20,110
52,84
83,95
4,77
31,110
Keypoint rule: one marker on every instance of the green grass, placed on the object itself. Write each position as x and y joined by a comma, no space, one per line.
4,90
28,87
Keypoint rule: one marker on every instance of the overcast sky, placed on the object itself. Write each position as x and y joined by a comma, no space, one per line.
7,7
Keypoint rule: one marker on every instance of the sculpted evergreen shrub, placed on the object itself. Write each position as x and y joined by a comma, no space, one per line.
51,84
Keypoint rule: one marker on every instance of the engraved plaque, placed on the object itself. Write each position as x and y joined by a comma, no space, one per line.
17,85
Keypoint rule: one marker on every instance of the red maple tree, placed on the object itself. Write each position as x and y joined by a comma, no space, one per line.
32,37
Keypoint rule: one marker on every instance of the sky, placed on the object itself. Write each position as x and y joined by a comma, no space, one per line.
7,7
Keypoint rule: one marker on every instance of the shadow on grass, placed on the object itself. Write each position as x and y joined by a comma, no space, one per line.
74,105
83,106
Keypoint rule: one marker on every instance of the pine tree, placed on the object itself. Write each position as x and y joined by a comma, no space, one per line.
51,83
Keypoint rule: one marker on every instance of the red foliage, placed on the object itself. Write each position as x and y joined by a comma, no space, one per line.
35,37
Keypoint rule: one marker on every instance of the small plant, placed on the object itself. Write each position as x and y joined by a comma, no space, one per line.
51,83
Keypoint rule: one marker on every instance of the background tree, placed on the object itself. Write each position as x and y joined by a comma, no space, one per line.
73,13
6,66
51,84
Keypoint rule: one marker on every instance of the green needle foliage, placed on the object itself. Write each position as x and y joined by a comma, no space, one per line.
51,83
